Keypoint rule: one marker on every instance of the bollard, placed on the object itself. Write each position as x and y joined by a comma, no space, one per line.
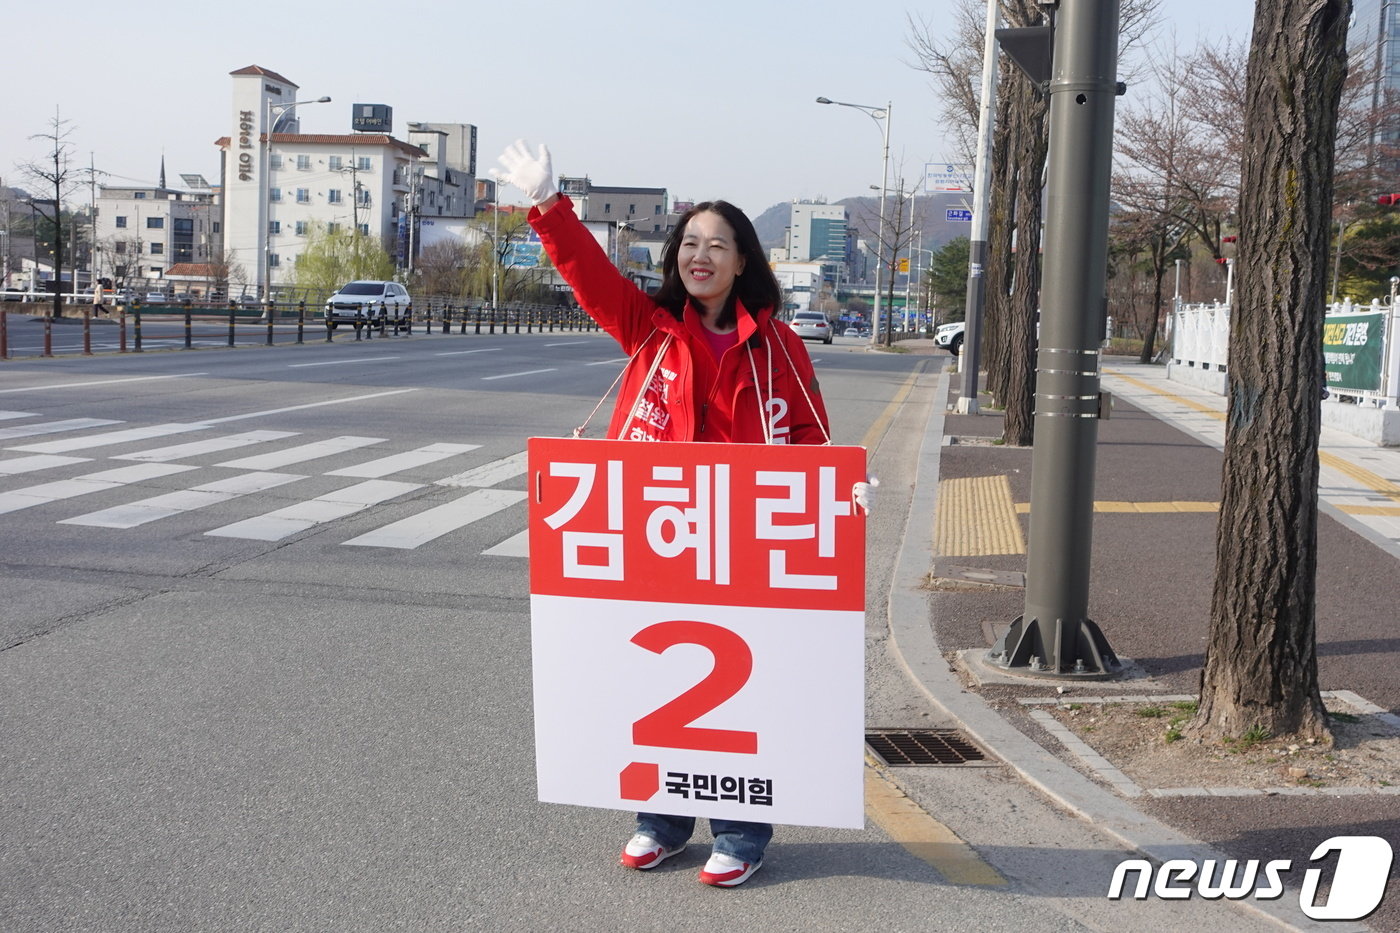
359,321
408,319
271,316
493,320
478,319
189,323
48,333
330,327
121,327
301,319
136,327
517,320
447,319
87,331
232,319
4,334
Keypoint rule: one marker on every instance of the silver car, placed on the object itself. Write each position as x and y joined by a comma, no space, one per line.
812,325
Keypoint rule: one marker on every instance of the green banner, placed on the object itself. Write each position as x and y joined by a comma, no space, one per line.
1353,347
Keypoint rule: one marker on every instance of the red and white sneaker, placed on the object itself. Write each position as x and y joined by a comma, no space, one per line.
643,852
726,871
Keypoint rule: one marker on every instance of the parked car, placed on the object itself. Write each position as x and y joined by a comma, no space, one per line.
153,298
14,294
369,297
812,325
851,332
950,337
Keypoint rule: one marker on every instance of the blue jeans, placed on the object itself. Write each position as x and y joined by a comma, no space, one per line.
744,841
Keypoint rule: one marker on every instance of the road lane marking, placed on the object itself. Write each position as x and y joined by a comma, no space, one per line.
877,429
211,446
366,359
37,462
111,438
312,451
278,411
31,496
185,500
923,837
283,523
528,372
435,522
465,352
99,382
571,343
517,545
620,359
55,427
12,415
488,474
376,469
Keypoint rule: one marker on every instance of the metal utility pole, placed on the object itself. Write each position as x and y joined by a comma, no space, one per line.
971,357
1055,636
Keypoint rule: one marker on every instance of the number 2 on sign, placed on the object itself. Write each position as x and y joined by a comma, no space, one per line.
670,726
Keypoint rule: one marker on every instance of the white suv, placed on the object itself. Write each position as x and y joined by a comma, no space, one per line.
812,325
369,297
950,337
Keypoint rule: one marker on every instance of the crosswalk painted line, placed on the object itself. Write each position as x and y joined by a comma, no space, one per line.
432,453
517,545
213,445
37,462
313,451
274,526
54,427
488,474
110,439
83,485
12,415
435,522
185,500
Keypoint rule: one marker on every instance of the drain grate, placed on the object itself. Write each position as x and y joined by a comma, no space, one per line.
902,747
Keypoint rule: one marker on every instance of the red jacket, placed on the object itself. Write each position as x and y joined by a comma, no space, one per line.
763,390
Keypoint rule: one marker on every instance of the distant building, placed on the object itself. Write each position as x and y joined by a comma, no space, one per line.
144,230
1375,29
817,230
644,210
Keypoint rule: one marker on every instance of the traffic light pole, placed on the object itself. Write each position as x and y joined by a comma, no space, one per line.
971,357
1055,636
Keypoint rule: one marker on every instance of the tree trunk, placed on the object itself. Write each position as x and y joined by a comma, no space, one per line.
1018,400
999,229
1149,339
1260,669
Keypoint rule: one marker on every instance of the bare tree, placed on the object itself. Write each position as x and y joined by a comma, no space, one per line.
1260,669
59,178
441,267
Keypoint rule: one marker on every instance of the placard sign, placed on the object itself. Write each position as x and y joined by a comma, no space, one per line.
697,623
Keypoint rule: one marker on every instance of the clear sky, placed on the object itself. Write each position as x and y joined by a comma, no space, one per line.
709,100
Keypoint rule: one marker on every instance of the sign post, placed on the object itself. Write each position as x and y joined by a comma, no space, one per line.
697,627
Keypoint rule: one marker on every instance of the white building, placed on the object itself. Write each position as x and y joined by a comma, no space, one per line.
278,187
801,282
143,231
817,230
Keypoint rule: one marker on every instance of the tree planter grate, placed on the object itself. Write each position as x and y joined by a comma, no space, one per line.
906,747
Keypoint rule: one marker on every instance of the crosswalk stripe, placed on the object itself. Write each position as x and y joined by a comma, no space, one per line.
55,427
301,454
37,462
12,415
488,474
211,446
436,522
80,486
185,500
432,453
111,438
517,545
274,526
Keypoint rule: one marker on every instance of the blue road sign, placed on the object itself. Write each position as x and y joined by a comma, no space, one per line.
959,214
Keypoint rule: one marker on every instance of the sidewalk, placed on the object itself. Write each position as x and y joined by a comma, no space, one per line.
1156,494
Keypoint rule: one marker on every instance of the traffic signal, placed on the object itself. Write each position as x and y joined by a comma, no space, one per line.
1388,200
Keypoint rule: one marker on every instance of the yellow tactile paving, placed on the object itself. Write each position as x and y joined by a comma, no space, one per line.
976,517
1377,484
1392,511
923,837
1180,400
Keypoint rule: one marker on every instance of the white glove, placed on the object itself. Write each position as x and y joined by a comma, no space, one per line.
532,174
864,493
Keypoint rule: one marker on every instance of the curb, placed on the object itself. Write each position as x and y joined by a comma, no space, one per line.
911,631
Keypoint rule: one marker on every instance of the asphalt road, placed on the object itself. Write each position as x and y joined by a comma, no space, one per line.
238,708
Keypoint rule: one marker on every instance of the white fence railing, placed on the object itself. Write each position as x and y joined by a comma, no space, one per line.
1199,340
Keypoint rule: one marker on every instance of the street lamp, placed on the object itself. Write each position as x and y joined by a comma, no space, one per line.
881,116
265,198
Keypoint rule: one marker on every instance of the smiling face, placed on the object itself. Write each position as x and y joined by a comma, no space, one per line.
709,260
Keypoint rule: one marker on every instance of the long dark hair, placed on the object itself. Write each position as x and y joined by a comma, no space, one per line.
756,286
